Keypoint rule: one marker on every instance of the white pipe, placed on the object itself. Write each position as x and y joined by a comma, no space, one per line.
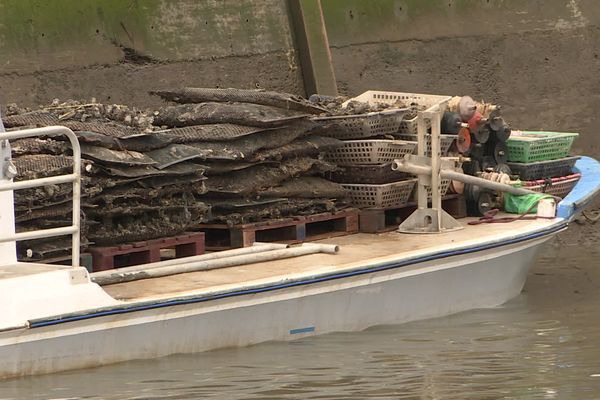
473,180
323,248
305,249
255,248
403,165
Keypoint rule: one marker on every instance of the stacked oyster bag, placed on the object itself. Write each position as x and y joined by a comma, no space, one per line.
126,195
262,151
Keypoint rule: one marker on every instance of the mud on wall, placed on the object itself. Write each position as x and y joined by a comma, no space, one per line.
538,58
116,50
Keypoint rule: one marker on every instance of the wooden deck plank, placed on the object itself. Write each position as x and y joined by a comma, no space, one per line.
356,249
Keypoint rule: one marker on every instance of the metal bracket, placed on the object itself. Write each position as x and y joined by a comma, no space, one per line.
429,220
6,165
78,275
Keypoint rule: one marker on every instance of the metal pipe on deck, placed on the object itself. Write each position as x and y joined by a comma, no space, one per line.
117,276
404,165
257,247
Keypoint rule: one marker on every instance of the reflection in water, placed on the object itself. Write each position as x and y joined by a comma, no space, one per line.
534,347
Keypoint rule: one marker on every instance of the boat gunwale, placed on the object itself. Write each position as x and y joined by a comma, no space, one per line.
131,307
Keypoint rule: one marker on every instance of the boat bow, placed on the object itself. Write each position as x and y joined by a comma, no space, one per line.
584,192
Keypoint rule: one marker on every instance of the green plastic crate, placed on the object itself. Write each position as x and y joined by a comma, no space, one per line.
528,146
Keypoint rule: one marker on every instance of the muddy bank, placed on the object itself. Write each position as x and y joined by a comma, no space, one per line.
538,59
566,277
129,83
532,76
117,51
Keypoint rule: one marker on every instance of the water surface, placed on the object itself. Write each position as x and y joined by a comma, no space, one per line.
542,345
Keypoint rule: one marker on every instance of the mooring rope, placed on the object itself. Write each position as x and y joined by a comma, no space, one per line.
591,216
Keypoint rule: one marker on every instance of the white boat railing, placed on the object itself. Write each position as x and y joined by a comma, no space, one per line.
74,177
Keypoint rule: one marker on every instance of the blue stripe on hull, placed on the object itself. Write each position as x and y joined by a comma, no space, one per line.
308,329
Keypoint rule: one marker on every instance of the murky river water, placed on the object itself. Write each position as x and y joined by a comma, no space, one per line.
545,344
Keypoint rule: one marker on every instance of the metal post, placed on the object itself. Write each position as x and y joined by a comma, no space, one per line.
436,187
423,180
7,215
313,47
425,219
75,177
76,215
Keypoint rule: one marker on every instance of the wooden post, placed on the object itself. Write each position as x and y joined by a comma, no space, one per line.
313,47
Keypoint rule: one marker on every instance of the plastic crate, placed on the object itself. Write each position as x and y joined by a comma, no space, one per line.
369,152
445,183
560,186
360,126
543,169
529,146
371,174
427,101
388,195
445,142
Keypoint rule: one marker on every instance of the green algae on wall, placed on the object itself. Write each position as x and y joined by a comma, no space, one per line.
218,28
38,23
358,21
39,35
46,35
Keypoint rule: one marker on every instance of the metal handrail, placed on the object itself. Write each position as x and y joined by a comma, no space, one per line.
75,177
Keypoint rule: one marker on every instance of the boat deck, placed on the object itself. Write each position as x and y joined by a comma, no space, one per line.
25,269
355,250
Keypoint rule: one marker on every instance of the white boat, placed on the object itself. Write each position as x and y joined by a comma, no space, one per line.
57,318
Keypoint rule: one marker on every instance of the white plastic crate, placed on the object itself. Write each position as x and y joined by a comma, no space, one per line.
370,152
390,98
388,195
445,142
360,126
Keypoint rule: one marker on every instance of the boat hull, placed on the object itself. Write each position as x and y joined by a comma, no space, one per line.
478,279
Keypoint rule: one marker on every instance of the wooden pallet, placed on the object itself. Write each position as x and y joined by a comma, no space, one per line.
287,230
378,220
148,251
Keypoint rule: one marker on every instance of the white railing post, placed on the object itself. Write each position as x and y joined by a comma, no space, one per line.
8,251
75,178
